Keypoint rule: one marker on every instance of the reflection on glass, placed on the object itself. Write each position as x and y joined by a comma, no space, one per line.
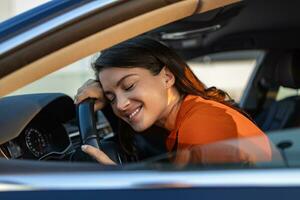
242,152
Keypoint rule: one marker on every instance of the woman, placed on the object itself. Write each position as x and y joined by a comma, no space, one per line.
147,84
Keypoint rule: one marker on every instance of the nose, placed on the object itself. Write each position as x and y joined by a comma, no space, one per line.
122,102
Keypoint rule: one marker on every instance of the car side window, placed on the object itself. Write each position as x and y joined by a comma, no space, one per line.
284,92
66,80
229,71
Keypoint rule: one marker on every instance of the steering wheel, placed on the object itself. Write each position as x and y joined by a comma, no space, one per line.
87,123
88,131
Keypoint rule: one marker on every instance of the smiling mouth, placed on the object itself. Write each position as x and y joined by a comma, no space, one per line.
134,113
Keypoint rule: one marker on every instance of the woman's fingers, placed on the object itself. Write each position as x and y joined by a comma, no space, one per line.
98,105
88,93
91,89
99,155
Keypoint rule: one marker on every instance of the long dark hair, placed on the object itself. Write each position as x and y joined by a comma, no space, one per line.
153,55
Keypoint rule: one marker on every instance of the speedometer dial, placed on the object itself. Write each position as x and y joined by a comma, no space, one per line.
36,142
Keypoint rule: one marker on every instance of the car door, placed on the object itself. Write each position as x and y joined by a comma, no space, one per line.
73,30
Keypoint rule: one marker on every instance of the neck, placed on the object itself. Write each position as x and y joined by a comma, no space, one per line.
168,119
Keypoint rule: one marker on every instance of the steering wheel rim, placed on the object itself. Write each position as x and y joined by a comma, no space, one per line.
87,123
88,131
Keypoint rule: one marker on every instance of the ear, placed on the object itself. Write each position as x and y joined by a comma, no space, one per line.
168,77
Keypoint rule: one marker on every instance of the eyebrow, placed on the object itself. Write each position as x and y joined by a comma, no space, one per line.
120,81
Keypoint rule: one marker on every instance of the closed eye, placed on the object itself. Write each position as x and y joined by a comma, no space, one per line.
130,87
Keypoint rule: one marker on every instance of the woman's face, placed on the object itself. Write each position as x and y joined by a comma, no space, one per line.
136,96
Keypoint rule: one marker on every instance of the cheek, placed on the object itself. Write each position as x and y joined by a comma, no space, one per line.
154,97
151,92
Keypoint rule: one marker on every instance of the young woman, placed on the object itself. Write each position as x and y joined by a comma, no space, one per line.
147,84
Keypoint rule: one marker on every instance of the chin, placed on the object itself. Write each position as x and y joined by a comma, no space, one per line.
140,127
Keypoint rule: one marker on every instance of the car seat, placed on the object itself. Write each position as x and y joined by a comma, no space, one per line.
284,113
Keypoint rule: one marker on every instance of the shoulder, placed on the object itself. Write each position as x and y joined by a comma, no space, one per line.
203,114
204,121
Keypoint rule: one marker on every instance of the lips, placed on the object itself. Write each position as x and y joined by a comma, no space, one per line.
134,113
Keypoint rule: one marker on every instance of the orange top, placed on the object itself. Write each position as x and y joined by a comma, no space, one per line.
201,122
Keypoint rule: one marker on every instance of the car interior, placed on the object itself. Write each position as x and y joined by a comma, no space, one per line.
46,127
284,113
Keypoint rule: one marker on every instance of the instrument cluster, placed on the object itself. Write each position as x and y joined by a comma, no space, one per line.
41,139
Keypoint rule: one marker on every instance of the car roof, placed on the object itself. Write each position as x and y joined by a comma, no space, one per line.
249,24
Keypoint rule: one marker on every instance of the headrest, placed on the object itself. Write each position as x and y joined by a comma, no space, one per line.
287,70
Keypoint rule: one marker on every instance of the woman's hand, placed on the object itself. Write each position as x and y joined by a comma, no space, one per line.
99,155
91,89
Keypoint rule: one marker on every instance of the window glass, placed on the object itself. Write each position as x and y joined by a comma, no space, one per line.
284,92
229,71
66,80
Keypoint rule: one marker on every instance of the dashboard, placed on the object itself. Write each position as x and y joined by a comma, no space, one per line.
42,127
43,137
